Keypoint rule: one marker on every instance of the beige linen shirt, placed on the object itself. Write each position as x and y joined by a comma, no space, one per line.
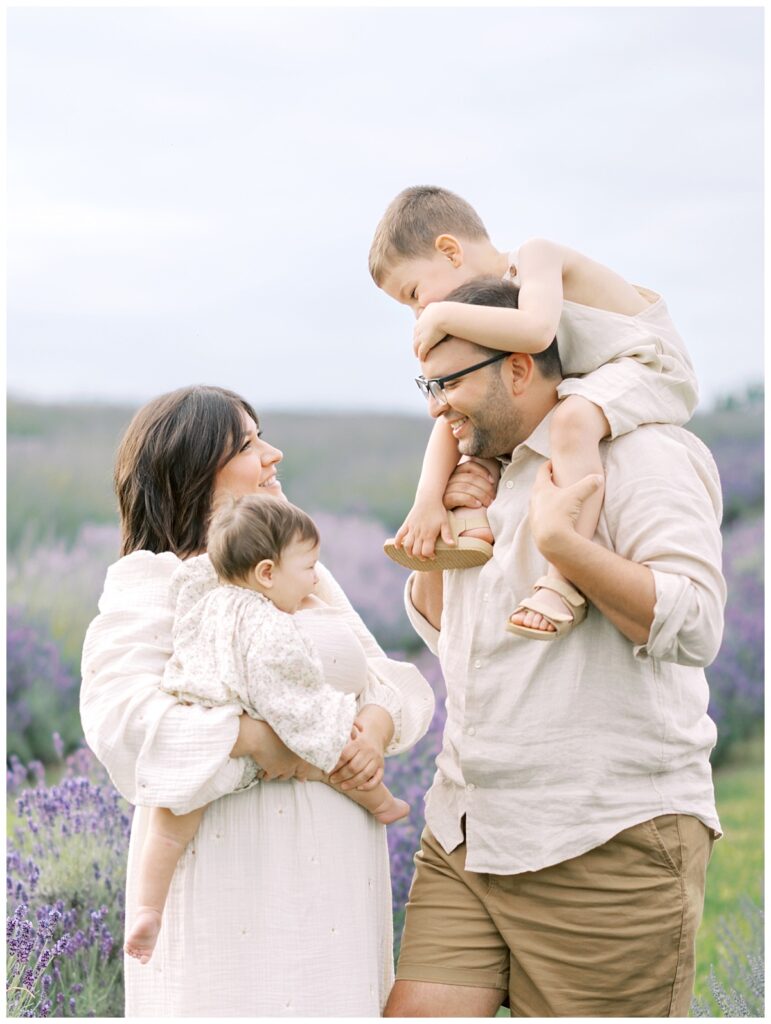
551,748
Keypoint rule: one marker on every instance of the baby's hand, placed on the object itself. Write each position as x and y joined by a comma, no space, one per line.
419,531
428,330
361,761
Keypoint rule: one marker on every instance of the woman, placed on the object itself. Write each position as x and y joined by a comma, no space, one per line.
281,905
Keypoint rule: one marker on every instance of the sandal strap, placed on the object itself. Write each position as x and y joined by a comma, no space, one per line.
467,520
565,590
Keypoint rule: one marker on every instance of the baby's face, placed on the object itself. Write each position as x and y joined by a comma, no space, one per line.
422,280
295,576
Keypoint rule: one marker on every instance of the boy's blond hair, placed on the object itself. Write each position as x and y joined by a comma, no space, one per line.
413,222
247,530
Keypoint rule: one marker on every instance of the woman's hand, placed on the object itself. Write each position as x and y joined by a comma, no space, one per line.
362,762
258,741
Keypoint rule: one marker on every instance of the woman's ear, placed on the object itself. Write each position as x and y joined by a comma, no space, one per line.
263,573
449,247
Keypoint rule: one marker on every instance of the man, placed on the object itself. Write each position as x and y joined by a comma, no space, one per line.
572,815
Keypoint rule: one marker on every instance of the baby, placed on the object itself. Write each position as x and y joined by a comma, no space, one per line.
235,641
622,358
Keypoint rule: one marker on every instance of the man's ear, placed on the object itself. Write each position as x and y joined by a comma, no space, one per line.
518,372
263,573
451,248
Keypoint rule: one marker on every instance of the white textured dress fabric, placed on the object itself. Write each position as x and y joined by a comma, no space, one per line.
635,368
281,906
232,644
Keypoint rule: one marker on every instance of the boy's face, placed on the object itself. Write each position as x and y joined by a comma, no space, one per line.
423,279
295,576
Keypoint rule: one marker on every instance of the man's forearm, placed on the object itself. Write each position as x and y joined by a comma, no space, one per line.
427,596
623,591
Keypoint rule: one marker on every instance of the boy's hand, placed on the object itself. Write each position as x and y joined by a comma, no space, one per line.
428,329
419,531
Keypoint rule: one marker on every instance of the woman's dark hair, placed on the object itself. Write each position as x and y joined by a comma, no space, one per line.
166,466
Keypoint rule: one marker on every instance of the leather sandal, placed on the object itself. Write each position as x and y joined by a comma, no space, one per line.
563,623
467,552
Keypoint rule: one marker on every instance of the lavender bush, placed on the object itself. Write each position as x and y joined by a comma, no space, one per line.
66,879
736,677
41,692
738,984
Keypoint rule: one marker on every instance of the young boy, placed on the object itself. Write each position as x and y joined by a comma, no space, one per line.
236,642
623,360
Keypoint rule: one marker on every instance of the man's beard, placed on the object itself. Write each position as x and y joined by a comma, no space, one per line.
495,431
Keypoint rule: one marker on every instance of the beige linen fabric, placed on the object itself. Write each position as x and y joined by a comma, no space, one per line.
552,748
281,906
635,368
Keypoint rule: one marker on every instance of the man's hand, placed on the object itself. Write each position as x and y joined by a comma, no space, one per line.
470,486
428,330
419,531
361,761
554,510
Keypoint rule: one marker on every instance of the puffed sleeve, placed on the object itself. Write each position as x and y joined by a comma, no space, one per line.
394,685
285,686
158,752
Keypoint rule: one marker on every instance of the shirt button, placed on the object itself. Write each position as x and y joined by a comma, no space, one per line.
470,788
509,484
477,663
471,731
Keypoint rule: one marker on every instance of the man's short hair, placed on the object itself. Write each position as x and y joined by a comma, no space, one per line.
491,291
413,222
247,530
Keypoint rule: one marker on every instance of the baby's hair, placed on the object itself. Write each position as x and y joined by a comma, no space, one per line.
492,291
244,531
413,222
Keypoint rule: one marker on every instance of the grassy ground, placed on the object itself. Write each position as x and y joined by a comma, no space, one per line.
736,868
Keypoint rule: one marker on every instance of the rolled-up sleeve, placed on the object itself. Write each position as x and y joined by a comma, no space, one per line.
664,512
158,752
396,686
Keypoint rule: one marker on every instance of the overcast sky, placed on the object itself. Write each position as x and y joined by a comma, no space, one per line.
193,191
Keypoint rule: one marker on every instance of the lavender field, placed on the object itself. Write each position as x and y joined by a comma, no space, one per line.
68,828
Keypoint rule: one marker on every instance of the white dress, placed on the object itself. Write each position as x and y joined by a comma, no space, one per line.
281,905
635,368
233,645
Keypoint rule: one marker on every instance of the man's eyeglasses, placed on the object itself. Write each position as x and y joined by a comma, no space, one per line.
435,386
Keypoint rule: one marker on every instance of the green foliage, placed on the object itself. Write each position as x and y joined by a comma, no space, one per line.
736,868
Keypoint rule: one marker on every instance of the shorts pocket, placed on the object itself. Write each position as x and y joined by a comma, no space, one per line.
665,835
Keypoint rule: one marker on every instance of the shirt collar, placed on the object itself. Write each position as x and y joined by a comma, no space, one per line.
539,441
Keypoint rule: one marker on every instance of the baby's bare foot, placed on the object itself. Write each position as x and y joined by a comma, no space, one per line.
392,811
140,942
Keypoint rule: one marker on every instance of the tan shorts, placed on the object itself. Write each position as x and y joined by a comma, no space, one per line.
608,934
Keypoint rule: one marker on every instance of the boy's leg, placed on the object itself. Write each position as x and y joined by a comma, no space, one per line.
167,836
577,428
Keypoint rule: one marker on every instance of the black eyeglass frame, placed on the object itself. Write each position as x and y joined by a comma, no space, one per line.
426,387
